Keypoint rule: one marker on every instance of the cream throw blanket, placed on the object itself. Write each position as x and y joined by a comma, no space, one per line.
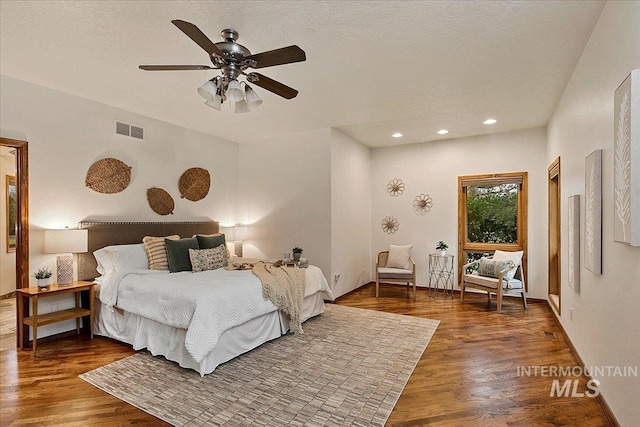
284,286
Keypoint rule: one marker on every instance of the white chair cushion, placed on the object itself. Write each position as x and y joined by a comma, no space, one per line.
516,257
399,257
394,273
491,282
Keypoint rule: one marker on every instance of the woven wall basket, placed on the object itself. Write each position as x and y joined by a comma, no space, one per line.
108,176
194,184
160,201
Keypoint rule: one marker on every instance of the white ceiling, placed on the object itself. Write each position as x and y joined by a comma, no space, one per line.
373,68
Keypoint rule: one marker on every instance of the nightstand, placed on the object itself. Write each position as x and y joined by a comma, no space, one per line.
441,268
35,320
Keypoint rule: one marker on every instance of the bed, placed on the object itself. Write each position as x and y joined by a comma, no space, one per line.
198,320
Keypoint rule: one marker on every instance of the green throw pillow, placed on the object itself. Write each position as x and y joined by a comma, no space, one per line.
178,253
211,242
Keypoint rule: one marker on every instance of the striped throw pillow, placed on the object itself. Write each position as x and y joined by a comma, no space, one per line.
157,251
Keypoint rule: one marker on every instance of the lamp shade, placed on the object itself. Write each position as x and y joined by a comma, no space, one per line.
216,102
241,107
240,233
252,98
65,241
208,90
234,91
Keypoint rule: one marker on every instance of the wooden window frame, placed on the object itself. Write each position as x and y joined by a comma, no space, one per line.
522,220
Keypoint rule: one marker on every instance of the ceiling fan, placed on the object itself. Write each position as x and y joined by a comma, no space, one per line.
232,59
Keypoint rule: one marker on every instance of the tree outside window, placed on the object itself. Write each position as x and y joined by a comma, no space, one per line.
492,215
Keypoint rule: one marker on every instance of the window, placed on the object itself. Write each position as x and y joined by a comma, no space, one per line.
492,215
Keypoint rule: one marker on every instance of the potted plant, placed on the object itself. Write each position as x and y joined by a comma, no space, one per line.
296,253
442,247
42,277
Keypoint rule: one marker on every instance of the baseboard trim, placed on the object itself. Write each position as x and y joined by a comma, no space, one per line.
606,409
455,291
354,290
8,296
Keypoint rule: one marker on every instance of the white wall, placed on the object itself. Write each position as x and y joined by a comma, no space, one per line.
605,328
350,213
66,134
285,189
7,259
433,168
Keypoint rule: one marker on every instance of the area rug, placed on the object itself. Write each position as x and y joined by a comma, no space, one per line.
349,368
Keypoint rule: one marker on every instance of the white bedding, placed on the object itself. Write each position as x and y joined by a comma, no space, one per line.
206,304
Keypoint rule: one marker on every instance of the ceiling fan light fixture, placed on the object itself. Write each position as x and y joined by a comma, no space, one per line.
251,97
234,91
208,90
233,59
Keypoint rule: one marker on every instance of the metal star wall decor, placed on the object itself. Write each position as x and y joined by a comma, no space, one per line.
422,204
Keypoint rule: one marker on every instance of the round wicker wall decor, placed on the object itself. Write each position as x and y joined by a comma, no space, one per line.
108,176
160,201
194,184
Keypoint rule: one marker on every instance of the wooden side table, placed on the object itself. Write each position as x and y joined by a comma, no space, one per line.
35,320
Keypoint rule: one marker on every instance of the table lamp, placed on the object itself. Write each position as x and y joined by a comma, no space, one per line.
238,233
65,243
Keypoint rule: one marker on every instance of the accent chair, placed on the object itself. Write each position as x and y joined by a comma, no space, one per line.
403,273
500,274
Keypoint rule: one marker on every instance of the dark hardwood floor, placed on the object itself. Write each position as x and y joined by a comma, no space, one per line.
467,375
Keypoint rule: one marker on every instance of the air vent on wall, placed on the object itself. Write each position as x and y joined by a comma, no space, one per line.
129,130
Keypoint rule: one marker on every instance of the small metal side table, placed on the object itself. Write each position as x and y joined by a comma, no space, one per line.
441,269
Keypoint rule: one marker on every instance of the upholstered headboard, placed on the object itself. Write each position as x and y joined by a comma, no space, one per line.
103,234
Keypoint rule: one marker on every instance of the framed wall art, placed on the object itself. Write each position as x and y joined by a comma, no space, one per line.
574,242
593,212
626,158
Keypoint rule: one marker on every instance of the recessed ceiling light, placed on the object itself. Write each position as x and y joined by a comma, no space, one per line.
490,121
397,135
443,132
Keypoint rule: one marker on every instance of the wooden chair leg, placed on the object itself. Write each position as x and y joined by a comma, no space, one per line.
499,298
462,292
524,299
377,285
414,290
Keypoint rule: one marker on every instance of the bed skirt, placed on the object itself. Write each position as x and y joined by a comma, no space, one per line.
167,341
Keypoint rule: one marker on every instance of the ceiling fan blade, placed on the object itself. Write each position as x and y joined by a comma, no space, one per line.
174,67
198,36
284,55
272,85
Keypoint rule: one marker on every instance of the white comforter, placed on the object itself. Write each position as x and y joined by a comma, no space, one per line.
205,304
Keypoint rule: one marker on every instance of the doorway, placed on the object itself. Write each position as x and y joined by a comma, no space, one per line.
8,205
554,286
22,213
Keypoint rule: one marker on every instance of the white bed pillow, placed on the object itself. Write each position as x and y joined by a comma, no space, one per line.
103,258
516,257
129,257
399,257
121,257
